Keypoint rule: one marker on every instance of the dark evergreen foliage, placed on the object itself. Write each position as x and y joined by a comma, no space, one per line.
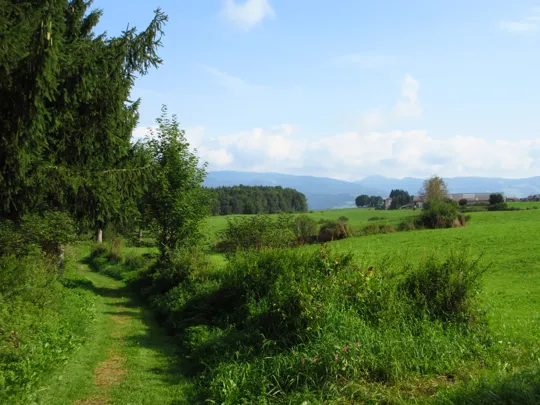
67,120
257,200
365,200
400,198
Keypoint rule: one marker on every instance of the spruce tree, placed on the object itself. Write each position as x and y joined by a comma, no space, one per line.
66,114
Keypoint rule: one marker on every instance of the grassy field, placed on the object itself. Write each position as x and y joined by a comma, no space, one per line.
144,364
358,217
507,243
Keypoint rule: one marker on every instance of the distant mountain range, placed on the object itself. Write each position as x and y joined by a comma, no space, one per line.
327,193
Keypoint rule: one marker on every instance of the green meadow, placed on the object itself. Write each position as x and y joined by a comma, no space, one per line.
219,358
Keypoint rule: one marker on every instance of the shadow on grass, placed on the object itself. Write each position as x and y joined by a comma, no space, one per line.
101,291
177,369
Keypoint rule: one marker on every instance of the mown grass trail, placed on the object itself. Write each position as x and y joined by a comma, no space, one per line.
128,358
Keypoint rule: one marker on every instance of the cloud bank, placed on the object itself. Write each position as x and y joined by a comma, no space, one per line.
355,154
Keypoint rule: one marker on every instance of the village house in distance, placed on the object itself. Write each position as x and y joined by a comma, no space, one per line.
472,198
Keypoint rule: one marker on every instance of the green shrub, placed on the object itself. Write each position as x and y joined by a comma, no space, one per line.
99,249
445,289
41,321
256,232
291,325
501,206
496,198
305,229
376,219
439,214
178,268
343,219
115,251
376,229
407,226
463,202
334,230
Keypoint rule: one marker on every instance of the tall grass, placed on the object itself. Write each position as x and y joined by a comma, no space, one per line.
289,325
42,319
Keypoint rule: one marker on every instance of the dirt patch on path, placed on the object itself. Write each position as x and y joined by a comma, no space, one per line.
112,370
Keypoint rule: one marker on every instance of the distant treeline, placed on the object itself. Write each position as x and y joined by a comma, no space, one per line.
256,200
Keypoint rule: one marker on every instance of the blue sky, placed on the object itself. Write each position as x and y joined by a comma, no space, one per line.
348,88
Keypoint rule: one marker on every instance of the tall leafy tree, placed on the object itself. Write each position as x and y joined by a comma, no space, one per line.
176,202
434,188
362,200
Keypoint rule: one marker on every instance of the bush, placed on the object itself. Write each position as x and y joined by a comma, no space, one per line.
501,206
463,202
407,226
445,289
42,320
181,265
376,219
343,219
115,252
496,198
376,229
305,229
332,230
439,214
286,326
257,232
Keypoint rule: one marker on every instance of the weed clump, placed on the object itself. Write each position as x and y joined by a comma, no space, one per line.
444,289
277,324
376,229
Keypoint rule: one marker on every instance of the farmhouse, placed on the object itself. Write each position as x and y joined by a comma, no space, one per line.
472,198
534,197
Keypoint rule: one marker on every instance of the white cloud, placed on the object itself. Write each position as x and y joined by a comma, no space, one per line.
355,154
409,107
372,119
528,24
248,13
362,60
352,155
276,146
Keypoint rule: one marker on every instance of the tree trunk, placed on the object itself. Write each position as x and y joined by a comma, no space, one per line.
61,259
99,236
140,236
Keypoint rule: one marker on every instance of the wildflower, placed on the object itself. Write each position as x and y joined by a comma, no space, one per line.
314,360
358,345
345,349
336,357
303,361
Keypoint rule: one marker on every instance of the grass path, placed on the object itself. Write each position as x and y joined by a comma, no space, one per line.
128,358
